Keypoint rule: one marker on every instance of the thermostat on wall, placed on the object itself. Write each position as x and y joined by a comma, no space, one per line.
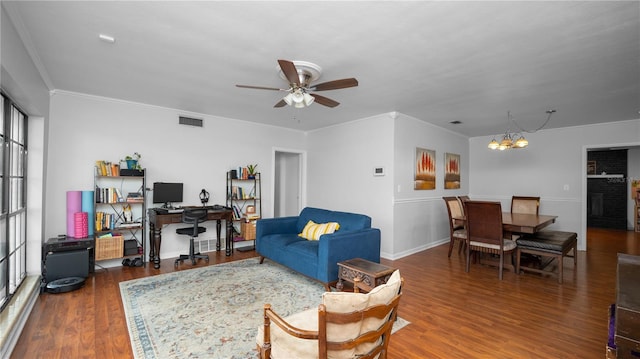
378,171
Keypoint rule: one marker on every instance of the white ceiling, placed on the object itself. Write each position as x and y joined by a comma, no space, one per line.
436,61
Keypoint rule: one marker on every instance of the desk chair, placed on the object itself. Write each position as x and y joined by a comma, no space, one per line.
192,216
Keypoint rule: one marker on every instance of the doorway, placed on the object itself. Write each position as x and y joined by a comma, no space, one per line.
632,173
288,183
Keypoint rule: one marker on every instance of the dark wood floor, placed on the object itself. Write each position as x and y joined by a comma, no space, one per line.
453,314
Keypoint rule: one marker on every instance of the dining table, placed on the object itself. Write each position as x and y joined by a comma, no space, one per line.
523,223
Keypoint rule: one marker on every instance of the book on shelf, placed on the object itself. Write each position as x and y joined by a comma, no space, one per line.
108,195
106,168
128,225
237,211
105,221
135,197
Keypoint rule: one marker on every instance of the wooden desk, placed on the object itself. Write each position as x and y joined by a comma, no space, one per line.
157,220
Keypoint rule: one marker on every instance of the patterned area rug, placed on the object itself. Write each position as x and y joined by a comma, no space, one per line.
214,311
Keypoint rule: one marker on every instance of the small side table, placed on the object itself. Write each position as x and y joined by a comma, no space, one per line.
363,274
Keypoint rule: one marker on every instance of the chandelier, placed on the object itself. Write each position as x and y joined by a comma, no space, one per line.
515,139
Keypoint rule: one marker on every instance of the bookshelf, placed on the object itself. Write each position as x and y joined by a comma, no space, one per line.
244,198
636,213
119,212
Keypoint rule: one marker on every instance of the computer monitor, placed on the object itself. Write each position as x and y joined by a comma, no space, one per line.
167,193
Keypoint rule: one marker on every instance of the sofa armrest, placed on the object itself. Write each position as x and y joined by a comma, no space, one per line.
340,246
268,226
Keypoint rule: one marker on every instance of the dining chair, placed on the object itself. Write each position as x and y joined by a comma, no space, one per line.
464,198
525,204
485,233
457,232
345,325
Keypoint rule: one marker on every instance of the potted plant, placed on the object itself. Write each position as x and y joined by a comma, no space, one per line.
132,161
251,171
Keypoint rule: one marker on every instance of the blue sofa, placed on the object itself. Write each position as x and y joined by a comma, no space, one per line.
278,240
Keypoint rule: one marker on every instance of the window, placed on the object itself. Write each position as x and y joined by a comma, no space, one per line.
13,212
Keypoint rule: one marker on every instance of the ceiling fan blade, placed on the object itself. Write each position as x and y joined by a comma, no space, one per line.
325,101
260,87
290,71
280,104
334,85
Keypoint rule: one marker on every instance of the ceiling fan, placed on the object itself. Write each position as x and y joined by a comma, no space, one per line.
300,75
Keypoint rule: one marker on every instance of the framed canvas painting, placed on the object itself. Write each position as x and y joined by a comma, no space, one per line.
451,171
425,169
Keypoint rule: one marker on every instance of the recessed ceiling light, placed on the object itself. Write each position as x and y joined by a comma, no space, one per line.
456,122
107,38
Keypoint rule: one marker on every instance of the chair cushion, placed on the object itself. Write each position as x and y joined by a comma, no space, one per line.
189,230
460,233
312,231
551,241
287,346
344,302
509,245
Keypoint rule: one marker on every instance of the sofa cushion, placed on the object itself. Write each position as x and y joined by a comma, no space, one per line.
348,221
312,231
282,240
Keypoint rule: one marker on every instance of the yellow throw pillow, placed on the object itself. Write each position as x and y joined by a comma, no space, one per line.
312,231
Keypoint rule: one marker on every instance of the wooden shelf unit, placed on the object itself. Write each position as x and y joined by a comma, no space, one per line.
112,194
242,193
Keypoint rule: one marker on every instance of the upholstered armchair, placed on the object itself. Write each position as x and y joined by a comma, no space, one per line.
345,325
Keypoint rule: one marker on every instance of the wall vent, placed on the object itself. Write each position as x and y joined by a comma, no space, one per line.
190,121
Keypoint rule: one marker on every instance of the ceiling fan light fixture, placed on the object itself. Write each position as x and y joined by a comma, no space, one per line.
288,99
297,96
308,99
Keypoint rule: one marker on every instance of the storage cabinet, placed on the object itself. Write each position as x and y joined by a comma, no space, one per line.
244,198
120,210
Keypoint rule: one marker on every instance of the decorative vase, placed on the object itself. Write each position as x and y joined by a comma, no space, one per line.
131,164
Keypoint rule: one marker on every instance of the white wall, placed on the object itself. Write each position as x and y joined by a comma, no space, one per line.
420,217
86,128
20,80
552,167
340,171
